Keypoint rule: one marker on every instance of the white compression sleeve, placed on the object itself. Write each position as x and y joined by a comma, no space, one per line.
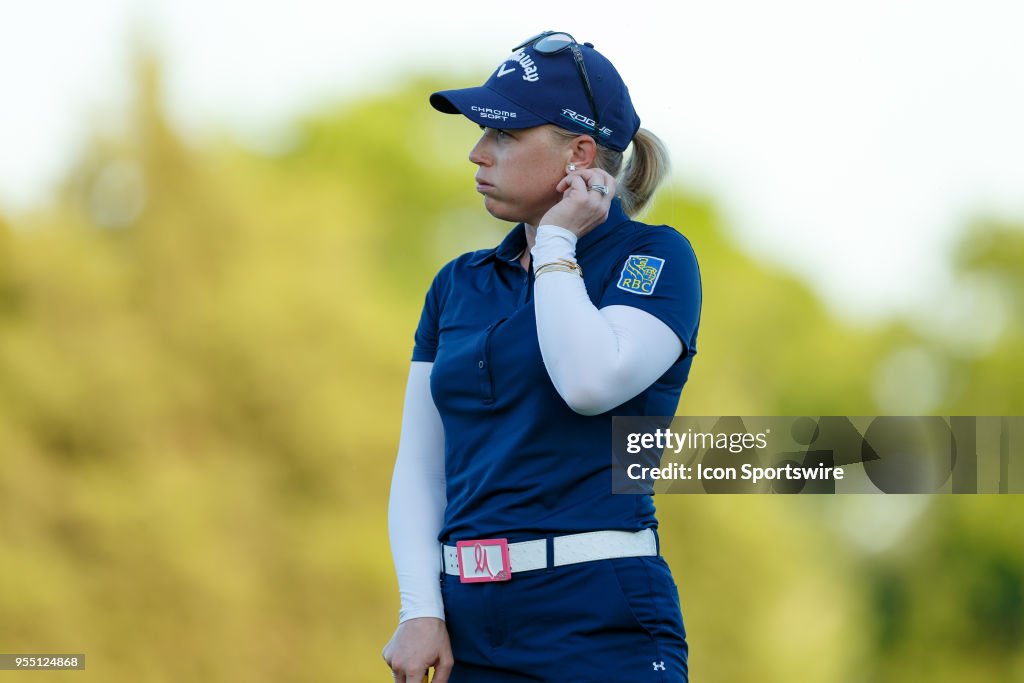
597,359
418,499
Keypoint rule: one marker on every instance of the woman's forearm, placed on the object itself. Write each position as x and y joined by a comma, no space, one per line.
417,502
597,359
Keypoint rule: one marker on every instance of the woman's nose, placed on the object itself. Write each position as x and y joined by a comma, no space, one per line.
478,155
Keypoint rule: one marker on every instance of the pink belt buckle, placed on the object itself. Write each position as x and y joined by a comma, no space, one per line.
485,559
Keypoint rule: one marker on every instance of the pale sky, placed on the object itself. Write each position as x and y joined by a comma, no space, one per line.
845,141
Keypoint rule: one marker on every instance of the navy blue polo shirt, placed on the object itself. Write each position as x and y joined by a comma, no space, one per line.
519,462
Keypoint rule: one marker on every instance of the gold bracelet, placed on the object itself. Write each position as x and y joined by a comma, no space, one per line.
561,265
553,268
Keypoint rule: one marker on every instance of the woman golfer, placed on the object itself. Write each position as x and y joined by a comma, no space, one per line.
515,562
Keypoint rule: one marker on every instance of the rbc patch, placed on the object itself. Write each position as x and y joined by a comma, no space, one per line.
640,274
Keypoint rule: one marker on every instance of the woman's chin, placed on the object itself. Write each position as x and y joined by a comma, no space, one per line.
500,210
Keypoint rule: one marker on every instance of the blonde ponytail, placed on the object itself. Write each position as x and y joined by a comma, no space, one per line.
647,166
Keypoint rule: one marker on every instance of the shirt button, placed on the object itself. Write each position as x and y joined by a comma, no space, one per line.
481,365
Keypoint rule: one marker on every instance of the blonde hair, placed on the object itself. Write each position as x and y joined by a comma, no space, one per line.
646,168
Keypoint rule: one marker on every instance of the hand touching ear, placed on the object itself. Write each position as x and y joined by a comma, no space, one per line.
583,207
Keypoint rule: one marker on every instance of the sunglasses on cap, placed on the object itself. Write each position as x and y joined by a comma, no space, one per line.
553,42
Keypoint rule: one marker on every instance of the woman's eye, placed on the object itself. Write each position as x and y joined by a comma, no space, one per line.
498,133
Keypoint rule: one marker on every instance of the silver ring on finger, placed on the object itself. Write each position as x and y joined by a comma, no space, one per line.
603,189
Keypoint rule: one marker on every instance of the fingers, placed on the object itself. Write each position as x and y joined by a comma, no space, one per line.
403,673
414,676
601,178
418,645
610,183
411,675
571,182
443,667
577,182
566,182
582,179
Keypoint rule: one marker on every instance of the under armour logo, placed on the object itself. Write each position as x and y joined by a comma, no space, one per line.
658,666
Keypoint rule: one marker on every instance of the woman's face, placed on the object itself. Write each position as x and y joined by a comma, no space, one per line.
518,171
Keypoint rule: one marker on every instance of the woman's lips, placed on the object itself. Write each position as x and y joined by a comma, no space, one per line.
482,186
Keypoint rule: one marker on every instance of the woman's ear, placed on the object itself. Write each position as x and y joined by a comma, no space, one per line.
583,151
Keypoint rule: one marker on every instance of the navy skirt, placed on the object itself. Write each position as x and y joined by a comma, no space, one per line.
607,620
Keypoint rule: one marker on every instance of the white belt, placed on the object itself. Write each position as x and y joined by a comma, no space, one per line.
525,556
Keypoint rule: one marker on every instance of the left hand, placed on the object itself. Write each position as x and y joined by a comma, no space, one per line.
581,209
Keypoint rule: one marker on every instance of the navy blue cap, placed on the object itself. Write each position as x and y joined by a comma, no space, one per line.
530,89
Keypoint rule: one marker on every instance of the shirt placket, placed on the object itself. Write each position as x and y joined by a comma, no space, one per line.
483,364
485,377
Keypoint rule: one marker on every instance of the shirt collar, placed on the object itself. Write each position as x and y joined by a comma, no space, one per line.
515,241
508,251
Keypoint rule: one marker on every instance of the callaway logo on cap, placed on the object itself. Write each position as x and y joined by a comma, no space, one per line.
533,87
